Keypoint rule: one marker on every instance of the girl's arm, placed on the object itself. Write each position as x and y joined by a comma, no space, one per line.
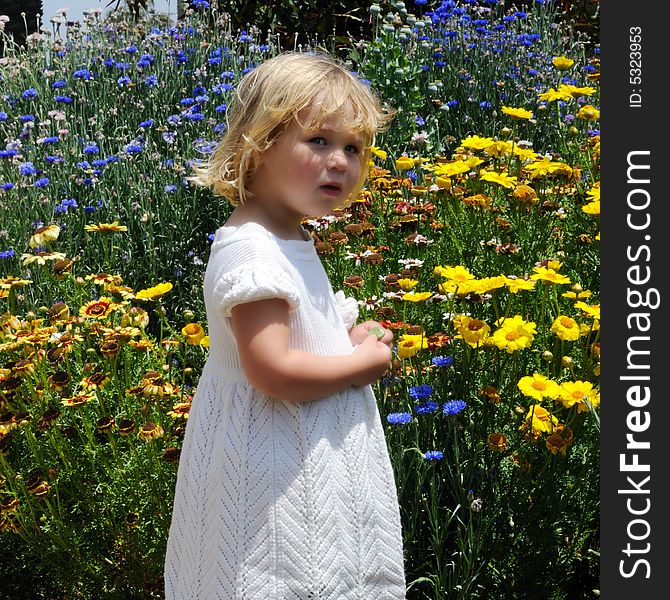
261,330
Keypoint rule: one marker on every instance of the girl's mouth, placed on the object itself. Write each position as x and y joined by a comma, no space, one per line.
331,190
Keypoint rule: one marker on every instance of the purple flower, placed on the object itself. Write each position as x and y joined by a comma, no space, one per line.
433,455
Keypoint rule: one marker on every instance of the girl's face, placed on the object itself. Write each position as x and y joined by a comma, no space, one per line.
307,172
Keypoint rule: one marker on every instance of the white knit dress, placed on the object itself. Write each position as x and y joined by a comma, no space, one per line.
278,500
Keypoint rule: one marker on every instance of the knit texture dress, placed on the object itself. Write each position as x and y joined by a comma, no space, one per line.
277,500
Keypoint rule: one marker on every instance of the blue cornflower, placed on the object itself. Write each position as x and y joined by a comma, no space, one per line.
131,49
400,418
29,93
200,3
61,83
418,392
194,117
245,37
7,186
145,60
54,159
99,162
26,118
41,182
221,108
7,253
420,121
3,115
52,139
485,104
433,455
426,408
222,88
82,73
147,123
453,407
452,103
170,136
151,81
132,148
219,128
169,189
27,168
91,148
64,204
442,361
210,237
63,99
174,120
125,80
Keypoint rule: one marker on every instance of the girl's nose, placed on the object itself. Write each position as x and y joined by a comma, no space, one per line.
337,160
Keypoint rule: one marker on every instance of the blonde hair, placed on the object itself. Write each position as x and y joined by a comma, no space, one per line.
268,99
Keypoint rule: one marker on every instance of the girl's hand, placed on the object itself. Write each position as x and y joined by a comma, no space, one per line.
373,357
362,331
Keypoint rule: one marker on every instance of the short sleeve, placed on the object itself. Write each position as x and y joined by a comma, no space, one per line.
348,308
253,282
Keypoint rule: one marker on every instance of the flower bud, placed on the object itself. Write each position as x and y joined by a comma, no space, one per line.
546,355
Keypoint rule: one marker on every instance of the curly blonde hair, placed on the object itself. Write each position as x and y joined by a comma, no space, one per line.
269,98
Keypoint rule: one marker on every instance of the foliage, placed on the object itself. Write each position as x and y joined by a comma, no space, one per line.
475,240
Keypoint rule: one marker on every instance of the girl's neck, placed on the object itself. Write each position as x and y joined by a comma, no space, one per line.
245,213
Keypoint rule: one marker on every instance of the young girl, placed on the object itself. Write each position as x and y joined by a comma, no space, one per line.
285,489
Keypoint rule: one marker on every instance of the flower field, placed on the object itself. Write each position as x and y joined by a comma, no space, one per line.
475,239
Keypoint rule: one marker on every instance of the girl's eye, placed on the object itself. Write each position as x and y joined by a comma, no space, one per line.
353,149
318,140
